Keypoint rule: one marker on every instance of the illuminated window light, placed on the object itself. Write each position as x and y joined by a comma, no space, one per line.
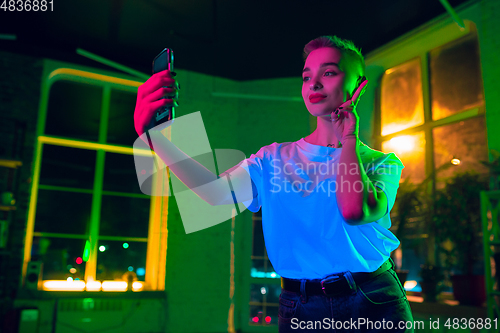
455,161
137,286
63,285
409,285
93,286
402,144
114,286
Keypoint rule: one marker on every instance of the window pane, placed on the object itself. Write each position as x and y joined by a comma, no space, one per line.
411,151
121,128
401,98
115,260
456,83
271,315
74,110
263,315
59,257
123,216
63,212
256,313
465,141
265,293
67,166
262,268
258,239
119,174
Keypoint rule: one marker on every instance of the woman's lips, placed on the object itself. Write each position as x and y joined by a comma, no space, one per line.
317,99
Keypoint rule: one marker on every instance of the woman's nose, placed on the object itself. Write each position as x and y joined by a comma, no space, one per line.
315,85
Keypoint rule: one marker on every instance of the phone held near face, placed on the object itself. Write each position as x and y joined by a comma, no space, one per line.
164,60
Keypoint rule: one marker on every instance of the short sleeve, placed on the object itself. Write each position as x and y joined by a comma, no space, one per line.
385,173
254,167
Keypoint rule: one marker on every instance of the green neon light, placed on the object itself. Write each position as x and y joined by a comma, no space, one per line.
86,252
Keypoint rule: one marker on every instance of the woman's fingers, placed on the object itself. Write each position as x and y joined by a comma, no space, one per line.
358,91
162,93
156,81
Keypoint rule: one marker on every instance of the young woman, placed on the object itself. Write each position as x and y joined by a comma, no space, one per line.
325,199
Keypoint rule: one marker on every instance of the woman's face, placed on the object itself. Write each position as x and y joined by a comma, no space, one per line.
323,81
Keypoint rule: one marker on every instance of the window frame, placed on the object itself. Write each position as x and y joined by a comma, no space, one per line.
245,313
444,33
54,71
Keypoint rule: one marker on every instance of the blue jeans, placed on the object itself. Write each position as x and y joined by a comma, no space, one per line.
377,305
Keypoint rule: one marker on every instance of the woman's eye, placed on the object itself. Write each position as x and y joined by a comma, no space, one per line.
333,73
304,79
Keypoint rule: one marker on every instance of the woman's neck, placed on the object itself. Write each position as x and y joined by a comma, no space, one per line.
326,141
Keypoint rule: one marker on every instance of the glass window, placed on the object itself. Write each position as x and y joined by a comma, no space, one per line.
401,98
67,167
61,257
264,303
63,212
261,265
455,72
74,110
411,151
265,287
120,174
117,259
69,190
455,85
461,146
121,121
124,216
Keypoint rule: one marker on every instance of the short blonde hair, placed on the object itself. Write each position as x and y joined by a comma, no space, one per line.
346,47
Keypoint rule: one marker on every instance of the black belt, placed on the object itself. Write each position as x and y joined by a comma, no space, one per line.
335,284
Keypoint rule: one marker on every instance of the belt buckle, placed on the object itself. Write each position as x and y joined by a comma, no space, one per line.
330,280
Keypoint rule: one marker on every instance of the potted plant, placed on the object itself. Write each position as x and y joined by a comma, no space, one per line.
414,202
432,276
406,202
457,218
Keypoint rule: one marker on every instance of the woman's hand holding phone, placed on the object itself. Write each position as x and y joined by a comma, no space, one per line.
160,90
345,119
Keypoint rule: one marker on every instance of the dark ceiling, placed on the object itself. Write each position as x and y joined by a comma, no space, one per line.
240,40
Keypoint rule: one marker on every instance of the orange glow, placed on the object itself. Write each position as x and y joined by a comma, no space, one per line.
410,284
93,286
137,286
114,286
71,285
401,100
63,285
402,144
455,161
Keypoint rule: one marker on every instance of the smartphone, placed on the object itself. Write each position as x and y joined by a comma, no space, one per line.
164,60
359,90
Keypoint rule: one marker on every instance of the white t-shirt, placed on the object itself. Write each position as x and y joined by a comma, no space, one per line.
306,236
